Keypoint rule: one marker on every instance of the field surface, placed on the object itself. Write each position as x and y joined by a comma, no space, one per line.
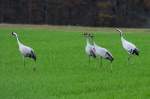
63,71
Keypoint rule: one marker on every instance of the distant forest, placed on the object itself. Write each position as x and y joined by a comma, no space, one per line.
124,13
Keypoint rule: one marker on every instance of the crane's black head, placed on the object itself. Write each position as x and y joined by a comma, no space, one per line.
88,34
14,34
85,34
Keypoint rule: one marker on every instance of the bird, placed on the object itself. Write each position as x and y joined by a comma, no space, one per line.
89,48
25,50
102,53
128,46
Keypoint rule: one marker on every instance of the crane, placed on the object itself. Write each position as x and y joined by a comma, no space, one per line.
25,50
102,53
128,46
89,48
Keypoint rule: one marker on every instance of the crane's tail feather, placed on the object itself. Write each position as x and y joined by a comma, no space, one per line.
136,51
33,56
109,56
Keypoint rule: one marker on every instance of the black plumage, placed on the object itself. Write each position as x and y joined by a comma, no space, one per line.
31,55
109,56
136,52
92,54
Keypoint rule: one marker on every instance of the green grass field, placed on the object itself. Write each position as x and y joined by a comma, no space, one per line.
63,71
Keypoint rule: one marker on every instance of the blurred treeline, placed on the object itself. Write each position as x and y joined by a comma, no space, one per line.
126,13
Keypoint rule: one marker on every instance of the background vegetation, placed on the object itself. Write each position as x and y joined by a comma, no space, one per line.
129,13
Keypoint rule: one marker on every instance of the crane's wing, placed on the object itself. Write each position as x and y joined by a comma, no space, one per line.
128,45
27,51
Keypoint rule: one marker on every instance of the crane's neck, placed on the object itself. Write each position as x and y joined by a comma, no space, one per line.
88,41
123,40
17,39
92,41
121,34
94,44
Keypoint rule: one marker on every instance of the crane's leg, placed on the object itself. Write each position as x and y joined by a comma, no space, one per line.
101,62
24,61
34,68
89,59
129,59
111,66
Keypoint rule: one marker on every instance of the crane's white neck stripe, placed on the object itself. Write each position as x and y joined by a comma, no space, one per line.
17,39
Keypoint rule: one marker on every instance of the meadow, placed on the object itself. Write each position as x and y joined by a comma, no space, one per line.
63,71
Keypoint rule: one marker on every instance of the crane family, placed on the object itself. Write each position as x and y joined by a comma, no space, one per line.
91,49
